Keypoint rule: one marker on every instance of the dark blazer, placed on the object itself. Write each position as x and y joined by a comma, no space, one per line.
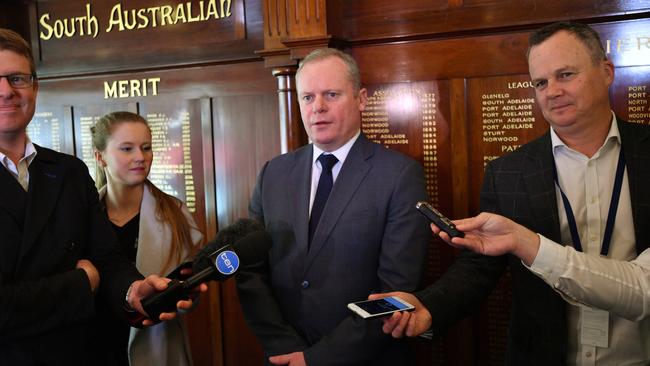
369,239
520,186
45,303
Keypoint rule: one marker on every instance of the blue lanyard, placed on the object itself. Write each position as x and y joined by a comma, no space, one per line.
613,207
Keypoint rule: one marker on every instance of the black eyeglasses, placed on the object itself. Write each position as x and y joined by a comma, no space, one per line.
19,81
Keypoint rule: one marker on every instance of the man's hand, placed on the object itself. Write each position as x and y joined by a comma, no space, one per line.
494,235
150,285
291,359
403,322
91,272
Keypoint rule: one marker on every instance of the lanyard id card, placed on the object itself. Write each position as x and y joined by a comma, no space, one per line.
594,330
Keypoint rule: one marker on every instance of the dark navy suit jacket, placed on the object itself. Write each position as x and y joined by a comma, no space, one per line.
369,239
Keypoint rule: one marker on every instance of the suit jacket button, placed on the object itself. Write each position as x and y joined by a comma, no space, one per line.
71,245
304,284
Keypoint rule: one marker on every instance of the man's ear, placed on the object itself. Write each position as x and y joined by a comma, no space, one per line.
609,72
363,99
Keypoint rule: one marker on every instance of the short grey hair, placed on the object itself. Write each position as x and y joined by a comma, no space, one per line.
584,33
323,53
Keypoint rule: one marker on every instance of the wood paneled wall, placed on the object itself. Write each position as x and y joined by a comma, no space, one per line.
453,63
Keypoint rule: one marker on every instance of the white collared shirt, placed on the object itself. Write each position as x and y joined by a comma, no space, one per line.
584,277
28,157
341,154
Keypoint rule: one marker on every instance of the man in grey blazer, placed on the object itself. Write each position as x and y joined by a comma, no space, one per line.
585,184
369,237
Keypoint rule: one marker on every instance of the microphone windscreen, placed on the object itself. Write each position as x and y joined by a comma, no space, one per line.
231,234
253,247
238,230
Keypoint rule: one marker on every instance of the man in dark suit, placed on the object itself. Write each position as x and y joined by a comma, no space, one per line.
333,249
57,245
584,183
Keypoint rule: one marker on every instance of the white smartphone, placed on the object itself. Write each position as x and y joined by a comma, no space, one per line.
369,309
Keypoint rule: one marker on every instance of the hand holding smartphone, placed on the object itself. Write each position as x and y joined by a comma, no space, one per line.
370,309
439,219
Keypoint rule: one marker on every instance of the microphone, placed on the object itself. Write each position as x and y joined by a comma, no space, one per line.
228,235
222,262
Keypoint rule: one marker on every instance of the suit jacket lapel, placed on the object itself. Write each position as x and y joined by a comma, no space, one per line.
350,177
10,202
636,146
45,180
540,186
298,190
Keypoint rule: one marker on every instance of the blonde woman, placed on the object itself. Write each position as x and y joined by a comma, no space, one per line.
155,231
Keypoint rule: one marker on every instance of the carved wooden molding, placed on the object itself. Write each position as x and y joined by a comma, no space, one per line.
293,24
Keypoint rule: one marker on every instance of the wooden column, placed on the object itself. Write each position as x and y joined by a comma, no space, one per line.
292,133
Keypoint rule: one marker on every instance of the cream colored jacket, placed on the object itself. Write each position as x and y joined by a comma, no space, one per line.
165,343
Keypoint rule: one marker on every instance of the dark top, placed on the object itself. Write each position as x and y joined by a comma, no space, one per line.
113,335
128,237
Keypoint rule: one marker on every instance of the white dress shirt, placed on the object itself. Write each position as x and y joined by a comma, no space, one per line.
341,154
620,283
20,171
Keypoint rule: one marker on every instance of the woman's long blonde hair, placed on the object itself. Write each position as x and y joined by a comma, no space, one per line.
168,208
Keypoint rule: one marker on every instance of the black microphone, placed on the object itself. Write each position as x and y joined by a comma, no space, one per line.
224,262
228,235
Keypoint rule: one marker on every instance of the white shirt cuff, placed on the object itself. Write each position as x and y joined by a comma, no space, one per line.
550,262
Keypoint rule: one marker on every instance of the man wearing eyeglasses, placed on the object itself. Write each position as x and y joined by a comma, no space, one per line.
57,245
16,113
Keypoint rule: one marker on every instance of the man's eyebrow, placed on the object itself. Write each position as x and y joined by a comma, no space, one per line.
16,73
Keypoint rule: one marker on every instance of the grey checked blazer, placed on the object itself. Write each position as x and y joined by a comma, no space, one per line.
520,186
